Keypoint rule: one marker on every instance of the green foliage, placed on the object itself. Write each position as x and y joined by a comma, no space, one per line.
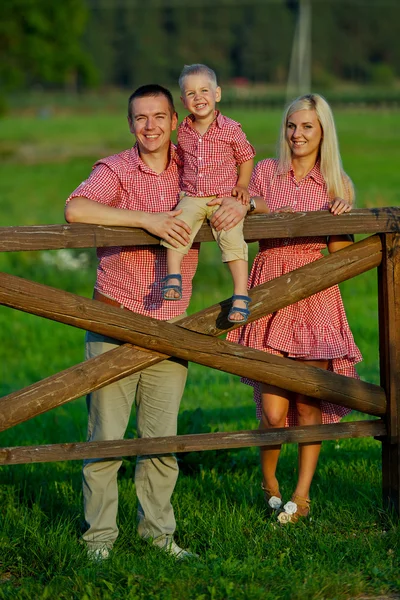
350,549
248,40
41,43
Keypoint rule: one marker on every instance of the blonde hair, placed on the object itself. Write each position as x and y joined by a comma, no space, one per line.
338,183
197,69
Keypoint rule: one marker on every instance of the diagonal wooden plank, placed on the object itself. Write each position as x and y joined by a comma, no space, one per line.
170,339
125,360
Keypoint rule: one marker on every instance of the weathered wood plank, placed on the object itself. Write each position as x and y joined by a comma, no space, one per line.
125,360
389,346
170,339
296,285
276,225
189,443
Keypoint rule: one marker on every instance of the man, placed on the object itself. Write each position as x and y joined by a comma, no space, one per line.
138,188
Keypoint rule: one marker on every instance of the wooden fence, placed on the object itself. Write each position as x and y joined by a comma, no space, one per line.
195,338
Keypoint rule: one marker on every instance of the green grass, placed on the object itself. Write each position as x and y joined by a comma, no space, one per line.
350,549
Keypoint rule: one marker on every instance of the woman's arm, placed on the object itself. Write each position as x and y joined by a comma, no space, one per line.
260,206
338,242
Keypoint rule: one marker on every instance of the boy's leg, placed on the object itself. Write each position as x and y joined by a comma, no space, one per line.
239,272
235,253
194,211
109,410
193,214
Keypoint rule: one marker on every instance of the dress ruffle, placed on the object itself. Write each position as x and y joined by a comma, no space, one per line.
314,328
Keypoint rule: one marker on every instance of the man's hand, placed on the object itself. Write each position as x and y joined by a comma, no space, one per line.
229,214
168,227
241,194
338,206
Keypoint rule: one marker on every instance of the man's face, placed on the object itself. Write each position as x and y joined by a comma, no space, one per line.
152,123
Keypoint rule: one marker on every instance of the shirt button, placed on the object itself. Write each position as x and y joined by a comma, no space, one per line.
200,158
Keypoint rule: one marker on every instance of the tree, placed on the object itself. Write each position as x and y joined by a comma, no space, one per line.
41,43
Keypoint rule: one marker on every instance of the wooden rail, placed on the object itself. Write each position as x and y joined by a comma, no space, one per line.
190,443
148,341
276,225
125,360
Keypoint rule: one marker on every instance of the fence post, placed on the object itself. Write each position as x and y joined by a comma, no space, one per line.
389,347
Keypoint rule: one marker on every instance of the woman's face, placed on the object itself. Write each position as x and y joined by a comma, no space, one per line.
304,134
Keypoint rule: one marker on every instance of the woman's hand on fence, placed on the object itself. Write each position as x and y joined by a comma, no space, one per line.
229,214
338,206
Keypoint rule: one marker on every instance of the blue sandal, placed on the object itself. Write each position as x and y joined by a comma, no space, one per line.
243,311
177,287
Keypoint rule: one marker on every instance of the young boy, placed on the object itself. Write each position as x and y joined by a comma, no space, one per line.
217,162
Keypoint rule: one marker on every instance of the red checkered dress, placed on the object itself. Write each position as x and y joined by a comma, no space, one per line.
132,274
315,328
210,160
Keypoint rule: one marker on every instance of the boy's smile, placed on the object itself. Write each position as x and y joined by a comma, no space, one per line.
199,97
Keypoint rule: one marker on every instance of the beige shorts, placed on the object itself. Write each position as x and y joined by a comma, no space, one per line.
194,212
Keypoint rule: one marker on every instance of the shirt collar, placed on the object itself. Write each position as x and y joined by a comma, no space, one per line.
218,120
137,163
315,173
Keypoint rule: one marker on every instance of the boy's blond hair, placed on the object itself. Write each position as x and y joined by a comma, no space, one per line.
197,69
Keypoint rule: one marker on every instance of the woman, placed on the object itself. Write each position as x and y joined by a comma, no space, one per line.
306,176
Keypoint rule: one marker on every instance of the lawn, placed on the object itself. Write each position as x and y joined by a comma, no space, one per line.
350,549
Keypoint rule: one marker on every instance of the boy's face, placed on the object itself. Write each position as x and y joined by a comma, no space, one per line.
200,95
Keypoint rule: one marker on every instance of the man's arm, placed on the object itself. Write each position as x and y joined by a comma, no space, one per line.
164,225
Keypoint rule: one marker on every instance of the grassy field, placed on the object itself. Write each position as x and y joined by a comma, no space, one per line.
350,549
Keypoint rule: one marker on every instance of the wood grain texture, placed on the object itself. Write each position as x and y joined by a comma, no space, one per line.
189,443
275,225
170,339
125,360
389,346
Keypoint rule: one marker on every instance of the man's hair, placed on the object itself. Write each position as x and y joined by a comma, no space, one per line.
337,181
197,69
151,90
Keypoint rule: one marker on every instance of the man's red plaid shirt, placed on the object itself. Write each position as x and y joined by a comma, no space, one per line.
132,274
210,161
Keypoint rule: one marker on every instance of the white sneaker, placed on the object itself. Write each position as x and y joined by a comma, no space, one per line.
167,544
99,554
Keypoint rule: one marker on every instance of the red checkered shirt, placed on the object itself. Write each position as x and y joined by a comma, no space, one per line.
132,274
211,160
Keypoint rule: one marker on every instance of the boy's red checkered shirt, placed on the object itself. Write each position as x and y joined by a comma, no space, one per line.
210,160
132,274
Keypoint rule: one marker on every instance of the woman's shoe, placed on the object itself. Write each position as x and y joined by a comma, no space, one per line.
272,498
297,508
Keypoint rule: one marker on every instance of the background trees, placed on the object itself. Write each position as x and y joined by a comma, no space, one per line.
123,43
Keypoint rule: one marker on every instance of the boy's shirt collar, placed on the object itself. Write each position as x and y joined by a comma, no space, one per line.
218,119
